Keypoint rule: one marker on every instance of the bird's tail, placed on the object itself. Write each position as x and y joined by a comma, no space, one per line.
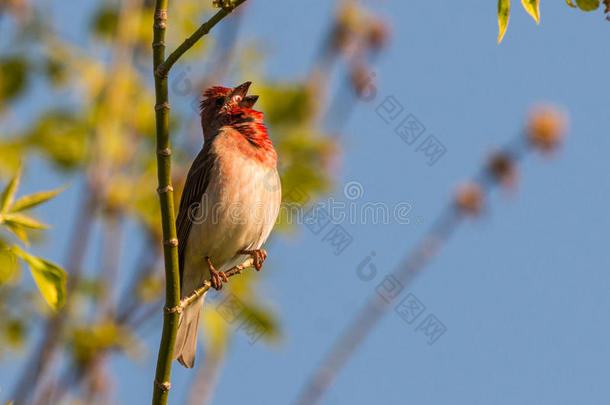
186,339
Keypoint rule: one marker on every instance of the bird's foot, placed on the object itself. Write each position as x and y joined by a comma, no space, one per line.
258,255
217,276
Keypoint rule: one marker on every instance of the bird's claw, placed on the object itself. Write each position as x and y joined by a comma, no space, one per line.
217,277
258,255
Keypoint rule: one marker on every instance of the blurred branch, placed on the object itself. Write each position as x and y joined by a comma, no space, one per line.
147,260
111,254
544,132
205,380
94,374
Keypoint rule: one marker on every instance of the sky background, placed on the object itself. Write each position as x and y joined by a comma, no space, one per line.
522,292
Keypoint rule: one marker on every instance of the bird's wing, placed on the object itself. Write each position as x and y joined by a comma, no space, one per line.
196,183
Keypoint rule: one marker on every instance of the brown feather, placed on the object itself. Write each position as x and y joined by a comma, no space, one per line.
196,183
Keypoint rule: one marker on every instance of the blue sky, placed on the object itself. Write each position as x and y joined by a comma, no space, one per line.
523,292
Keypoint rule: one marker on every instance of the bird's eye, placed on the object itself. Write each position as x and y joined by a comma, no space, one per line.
236,98
219,102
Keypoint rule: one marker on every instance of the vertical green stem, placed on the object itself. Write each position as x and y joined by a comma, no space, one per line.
166,197
161,69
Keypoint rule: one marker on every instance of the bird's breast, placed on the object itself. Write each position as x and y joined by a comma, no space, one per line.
238,208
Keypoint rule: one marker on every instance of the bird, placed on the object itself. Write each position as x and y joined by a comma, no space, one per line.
230,202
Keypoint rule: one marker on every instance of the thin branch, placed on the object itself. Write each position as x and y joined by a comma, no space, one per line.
164,68
198,292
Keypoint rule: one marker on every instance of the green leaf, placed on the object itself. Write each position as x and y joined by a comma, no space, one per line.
570,3
14,78
503,12
533,8
50,278
588,5
87,341
19,232
105,22
62,136
14,332
8,194
8,264
56,70
261,320
216,331
286,104
35,199
24,221
11,151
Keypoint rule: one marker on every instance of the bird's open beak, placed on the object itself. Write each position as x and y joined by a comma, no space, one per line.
241,90
248,101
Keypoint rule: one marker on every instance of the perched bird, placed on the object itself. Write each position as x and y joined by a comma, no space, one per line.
230,201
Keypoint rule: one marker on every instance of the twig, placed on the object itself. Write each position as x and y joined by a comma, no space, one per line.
161,70
198,292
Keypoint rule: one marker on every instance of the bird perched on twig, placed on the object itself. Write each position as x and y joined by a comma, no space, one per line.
230,201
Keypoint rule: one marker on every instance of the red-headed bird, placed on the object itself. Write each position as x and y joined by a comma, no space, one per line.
230,201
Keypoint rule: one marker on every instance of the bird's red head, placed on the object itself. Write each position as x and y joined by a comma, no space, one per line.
223,106
218,102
